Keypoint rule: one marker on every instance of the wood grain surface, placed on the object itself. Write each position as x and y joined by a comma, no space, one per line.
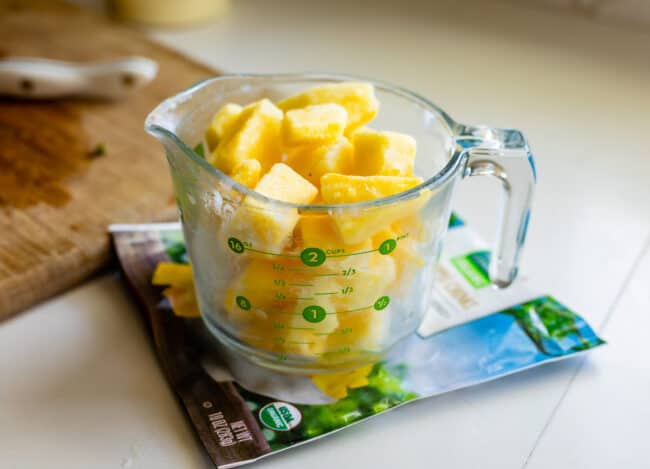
71,167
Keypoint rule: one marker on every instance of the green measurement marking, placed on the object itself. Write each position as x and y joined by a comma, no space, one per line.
243,303
298,269
297,298
270,253
301,343
381,303
301,284
326,293
353,253
355,310
324,333
300,328
325,275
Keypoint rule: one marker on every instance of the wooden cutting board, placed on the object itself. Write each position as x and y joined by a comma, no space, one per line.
69,168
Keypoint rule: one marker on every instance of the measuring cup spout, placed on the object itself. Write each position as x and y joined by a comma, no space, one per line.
163,121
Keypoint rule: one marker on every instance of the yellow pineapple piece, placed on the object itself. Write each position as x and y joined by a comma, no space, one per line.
367,283
183,301
358,99
314,125
405,254
355,227
336,385
414,225
180,292
247,173
262,302
265,225
172,273
222,124
255,285
283,183
312,163
308,338
384,153
258,136
320,231
365,325
342,189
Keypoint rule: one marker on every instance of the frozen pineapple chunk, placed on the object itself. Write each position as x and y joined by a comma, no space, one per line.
251,294
247,173
405,253
261,303
336,384
264,224
171,273
344,189
317,124
305,337
320,231
258,136
364,322
384,153
355,227
283,183
180,292
312,163
358,99
223,124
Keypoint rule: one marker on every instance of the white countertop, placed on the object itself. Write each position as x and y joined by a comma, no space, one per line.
79,383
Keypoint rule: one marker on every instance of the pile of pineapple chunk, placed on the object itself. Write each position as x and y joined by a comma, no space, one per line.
314,148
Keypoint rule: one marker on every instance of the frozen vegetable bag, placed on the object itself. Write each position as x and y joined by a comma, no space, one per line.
242,412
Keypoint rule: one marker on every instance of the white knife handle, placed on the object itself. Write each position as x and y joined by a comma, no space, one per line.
44,78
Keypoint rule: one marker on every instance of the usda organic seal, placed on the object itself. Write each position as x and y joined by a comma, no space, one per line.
280,416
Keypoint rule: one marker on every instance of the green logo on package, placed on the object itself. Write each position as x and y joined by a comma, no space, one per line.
474,268
280,416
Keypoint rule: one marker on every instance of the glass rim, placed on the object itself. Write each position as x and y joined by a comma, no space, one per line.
431,183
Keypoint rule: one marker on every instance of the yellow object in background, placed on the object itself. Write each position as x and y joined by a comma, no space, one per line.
169,12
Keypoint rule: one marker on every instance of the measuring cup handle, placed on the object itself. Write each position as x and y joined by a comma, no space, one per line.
503,154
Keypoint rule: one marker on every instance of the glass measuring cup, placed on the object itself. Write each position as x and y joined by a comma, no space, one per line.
312,288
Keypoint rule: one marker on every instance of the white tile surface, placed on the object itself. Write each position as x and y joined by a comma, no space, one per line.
578,90
80,387
604,420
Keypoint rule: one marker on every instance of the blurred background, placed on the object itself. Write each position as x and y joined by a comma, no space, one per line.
149,11
552,68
